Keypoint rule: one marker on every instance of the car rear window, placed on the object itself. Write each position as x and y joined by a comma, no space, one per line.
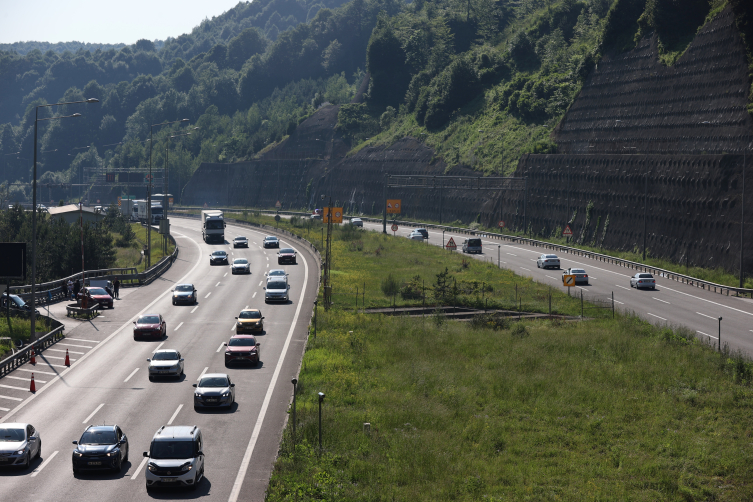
551,256
645,276
578,271
277,285
474,242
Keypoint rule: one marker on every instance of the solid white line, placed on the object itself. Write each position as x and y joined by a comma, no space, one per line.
220,347
12,398
218,282
178,326
554,278
202,373
254,295
623,287
72,345
64,351
654,315
512,254
129,376
268,397
704,315
138,469
25,379
37,371
658,300
93,413
169,422
701,332
44,464
194,309
15,388
81,340
128,323
208,294
159,346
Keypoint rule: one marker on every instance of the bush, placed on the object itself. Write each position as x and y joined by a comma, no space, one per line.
413,289
490,321
519,330
390,286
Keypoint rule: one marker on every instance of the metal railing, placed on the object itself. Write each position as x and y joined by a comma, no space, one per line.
22,356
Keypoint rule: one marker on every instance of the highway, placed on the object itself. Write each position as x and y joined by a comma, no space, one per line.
672,302
108,382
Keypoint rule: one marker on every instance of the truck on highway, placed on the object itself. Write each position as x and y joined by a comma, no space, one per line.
127,206
213,226
141,212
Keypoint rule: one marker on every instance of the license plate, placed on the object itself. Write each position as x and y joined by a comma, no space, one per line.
168,480
212,400
4,459
164,371
94,463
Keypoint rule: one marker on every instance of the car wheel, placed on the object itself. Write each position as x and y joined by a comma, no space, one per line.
173,302
118,466
196,480
39,450
26,464
125,459
76,472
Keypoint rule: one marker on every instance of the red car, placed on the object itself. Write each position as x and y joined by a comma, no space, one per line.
99,295
149,326
242,348
286,255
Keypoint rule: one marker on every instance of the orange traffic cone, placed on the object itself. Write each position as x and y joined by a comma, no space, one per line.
67,359
32,387
33,359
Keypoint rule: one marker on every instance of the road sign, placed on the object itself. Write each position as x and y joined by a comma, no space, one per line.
567,232
451,244
394,227
278,205
337,214
501,224
170,201
568,280
393,206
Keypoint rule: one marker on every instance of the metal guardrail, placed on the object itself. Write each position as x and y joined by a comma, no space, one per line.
22,356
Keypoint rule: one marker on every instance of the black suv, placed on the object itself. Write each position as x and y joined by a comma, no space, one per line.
100,447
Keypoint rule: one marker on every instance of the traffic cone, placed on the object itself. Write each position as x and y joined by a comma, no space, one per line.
67,359
32,387
33,359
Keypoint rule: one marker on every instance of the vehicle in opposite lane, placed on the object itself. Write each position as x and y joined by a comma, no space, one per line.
19,444
242,349
356,222
416,236
286,255
271,241
165,363
472,245
643,280
218,256
548,261
249,321
581,277
101,447
276,290
241,266
175,457
240,242
214,390
149,326
184,293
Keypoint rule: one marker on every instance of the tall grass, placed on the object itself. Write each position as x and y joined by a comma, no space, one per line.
17,328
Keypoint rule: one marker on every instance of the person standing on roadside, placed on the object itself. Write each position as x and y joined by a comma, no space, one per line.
116,286
70,289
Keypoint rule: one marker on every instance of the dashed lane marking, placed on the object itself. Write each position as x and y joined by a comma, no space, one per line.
615,301
194,309
37,371
44,464
178,326
169,422
208,295
658,300
12,398
129,376
623,287
37,380
220,347
4,409
704,334
654,315
218,282
704,315
526,268
159,346
202,373
254,295
74,345
13,387
87,419
138,469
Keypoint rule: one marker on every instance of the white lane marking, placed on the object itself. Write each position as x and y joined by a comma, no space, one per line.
37,371
194,309
159,346
709,301
12,398
129,376
55,365
16,388
267,258
218,282
138,469
25,379
64,351
44,464
623,287
231,329
115,333
202,373
654,315
72,345
247,307
261,282
169,422
594,278
514,255
56,357
93,413
704,334
224,276
254,295
526,268
81,340
554,278
267,265
704,315
615,301
178,326
220,347
268,397
208,295
4,409
658,300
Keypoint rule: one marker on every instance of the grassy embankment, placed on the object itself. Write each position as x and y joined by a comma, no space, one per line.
131,256
597,410
19,329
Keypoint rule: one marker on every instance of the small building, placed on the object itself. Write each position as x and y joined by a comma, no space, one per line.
71,213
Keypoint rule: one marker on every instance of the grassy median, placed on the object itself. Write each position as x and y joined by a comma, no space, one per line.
605,409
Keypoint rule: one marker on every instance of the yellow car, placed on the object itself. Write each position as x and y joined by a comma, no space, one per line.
249,321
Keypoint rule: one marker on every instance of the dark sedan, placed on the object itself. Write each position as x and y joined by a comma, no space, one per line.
286,255
149,326
101,447
242,348
218,257
184,293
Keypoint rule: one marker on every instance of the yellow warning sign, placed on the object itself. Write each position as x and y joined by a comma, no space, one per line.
568,280
393,206
337,214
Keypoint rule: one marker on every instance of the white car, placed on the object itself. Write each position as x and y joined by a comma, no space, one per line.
416,236
276,272
19,444
241,266
240,242
643,280
356,222
547,261
276,290
165,362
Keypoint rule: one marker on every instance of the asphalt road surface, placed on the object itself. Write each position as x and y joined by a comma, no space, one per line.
108,382
672,302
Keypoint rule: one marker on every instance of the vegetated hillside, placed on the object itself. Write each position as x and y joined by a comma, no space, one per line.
23,48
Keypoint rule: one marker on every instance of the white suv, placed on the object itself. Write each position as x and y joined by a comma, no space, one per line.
175,457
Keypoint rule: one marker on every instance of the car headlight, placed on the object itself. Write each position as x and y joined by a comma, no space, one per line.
226,394
77,454
152,467
112,453
196,394
186,467
239,324
21,451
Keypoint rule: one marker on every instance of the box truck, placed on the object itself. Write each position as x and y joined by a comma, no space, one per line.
213,226
142,214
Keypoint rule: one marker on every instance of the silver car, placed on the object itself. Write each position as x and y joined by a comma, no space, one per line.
240,242
241,266
19,444
581,277
276,272
416,236
643,280
276,290
164,363
175,457
547,261
356,222
214,390
271,241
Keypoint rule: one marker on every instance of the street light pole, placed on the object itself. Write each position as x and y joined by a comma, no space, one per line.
166,184
321,400
294,381
33,334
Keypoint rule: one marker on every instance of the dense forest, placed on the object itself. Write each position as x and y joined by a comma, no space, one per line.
481,81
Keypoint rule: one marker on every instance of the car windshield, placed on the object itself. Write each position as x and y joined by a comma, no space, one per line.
12,435
645,276
242,342
148,319
240,261
240,238
98,437
287,250
213,381
270,238
250,314
215,224
277,285
219,253
165,356
276,272
171,449
184,287
98,291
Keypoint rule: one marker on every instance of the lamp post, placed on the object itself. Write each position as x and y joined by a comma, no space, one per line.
321,400
33,335
149,194
499,248
294,381
166,183
720,333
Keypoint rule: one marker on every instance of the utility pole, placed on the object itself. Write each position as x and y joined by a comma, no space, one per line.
384,204
645,207
742,225
328,259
